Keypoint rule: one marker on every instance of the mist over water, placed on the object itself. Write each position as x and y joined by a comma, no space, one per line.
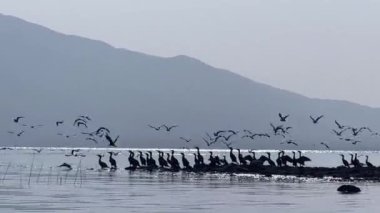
45,188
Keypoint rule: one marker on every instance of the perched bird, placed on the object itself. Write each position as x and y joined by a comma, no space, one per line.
316,120
232,156
101,163
185,162
369,165
345,163
112,161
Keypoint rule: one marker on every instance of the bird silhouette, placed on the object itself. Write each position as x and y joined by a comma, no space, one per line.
155,128
219,132
369,165
339,133
339,125
111,142
324,144
345,162
92,139
283,117
101,163
316,120
290,142
169,128
66,165
184,139
17,119
20,133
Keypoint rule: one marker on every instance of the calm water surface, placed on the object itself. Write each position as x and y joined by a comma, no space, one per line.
32,182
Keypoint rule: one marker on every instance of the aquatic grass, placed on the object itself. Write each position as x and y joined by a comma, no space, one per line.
6,172
31,170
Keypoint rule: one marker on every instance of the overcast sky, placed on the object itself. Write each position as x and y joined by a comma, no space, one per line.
318,48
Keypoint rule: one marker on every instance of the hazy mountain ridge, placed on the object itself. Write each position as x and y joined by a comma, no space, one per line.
52,76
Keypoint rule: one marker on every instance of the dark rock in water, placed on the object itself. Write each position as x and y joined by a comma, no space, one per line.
348,189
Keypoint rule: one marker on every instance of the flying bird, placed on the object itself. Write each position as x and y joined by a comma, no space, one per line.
92,139
324,144
184,139
20,133
59,123
339,133
283,117
290,142
169,128
155,128
339,125
112,142
316,120
16,120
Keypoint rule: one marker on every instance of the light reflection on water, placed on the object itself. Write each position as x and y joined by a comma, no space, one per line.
52,190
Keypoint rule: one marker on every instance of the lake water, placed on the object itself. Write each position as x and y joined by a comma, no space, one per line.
31,182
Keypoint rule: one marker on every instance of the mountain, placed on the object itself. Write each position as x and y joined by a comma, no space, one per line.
48,76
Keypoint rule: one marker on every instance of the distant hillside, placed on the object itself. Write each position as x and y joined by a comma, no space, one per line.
48,76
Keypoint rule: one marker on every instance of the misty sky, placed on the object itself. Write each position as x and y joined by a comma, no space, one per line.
319,48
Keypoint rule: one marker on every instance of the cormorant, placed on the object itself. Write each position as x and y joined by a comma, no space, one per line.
302,159
174,161
142,159
356,161
316,120
185,162
16,120
286,159
369,165
241,158
161,160
112,161
294,159
224,161
101,163
199,156
66,165
345,163
112,142
151,162
169,128
232,156
185,139
270,161
279,159
132,161
283,117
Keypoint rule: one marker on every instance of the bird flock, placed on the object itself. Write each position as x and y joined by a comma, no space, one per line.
82,125
281,131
